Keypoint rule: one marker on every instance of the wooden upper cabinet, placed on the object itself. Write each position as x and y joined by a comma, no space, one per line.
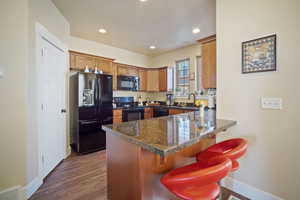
104,65
78,61
153,80
122,70
127,70
143,79
163,80
133,71
209,64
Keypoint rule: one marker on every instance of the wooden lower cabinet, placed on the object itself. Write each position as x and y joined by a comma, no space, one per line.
148,113
117,116
178,111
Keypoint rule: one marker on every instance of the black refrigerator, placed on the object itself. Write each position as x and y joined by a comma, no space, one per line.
90,108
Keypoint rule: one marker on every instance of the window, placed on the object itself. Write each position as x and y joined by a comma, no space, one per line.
182,77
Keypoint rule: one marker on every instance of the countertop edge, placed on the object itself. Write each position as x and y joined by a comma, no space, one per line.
171,150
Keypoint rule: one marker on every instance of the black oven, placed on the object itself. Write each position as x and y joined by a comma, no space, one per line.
132,114
130,83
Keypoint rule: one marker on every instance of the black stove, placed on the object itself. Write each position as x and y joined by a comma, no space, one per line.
130,111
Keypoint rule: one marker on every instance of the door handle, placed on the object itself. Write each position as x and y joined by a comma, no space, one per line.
63,110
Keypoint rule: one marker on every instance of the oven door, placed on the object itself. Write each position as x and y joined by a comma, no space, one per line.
132,115
130,83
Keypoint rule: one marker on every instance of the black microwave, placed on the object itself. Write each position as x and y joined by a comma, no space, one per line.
130,83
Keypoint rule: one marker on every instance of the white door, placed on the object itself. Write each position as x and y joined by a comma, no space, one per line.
52,99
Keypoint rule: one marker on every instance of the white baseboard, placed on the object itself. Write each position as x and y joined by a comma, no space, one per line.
13,193
247,190
68,152
33,186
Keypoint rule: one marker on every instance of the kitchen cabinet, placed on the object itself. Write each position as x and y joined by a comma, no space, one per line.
163,80
143,79
79,61
209,64
117,116
148,113
153,80
127,70
175,111
104,65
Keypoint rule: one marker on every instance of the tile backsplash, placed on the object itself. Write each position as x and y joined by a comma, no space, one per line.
153,96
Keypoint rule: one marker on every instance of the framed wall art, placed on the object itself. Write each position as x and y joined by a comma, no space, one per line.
259,55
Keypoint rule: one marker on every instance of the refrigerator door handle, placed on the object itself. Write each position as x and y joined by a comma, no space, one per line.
95,93
99,91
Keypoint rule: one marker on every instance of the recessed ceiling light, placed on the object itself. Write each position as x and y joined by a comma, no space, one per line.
143,0
152,47
102,30
196,30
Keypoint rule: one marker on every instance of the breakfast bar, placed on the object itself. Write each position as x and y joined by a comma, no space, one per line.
140,152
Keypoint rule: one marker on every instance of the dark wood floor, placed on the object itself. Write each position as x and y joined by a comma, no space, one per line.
83,178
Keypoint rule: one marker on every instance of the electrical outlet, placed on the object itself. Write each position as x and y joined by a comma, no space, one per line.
271,103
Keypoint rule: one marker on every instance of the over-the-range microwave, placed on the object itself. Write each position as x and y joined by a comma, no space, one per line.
129,83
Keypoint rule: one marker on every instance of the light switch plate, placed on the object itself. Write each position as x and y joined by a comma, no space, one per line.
271,103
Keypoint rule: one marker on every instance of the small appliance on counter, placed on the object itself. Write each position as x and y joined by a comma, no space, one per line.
170,99
129,83
211,98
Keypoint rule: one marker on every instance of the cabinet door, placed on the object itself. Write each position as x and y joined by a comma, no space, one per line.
143,79
81,61
132,71
117,116
163,80
153,80
209,64
122,70
148,113
104,65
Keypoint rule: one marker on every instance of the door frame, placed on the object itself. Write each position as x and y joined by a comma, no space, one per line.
43,34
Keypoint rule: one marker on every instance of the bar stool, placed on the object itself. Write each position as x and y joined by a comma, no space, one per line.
232,149
199,180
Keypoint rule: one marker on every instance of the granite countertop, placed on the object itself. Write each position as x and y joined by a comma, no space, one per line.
167,135
164,106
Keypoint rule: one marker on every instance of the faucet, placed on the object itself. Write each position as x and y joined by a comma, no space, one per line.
194,99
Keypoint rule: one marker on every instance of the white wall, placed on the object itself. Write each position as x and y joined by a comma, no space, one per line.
45,13
272,163
14,65
121,55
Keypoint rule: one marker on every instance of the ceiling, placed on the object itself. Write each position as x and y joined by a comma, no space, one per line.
136,25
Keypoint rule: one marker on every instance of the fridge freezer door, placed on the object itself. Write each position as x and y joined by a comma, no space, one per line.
91,136
105,95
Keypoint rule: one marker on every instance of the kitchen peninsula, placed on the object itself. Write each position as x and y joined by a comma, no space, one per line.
140,152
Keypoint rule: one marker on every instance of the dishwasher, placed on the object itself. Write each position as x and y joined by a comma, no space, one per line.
160,111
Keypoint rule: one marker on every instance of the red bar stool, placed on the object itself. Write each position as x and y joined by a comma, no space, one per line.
198,181
232,149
